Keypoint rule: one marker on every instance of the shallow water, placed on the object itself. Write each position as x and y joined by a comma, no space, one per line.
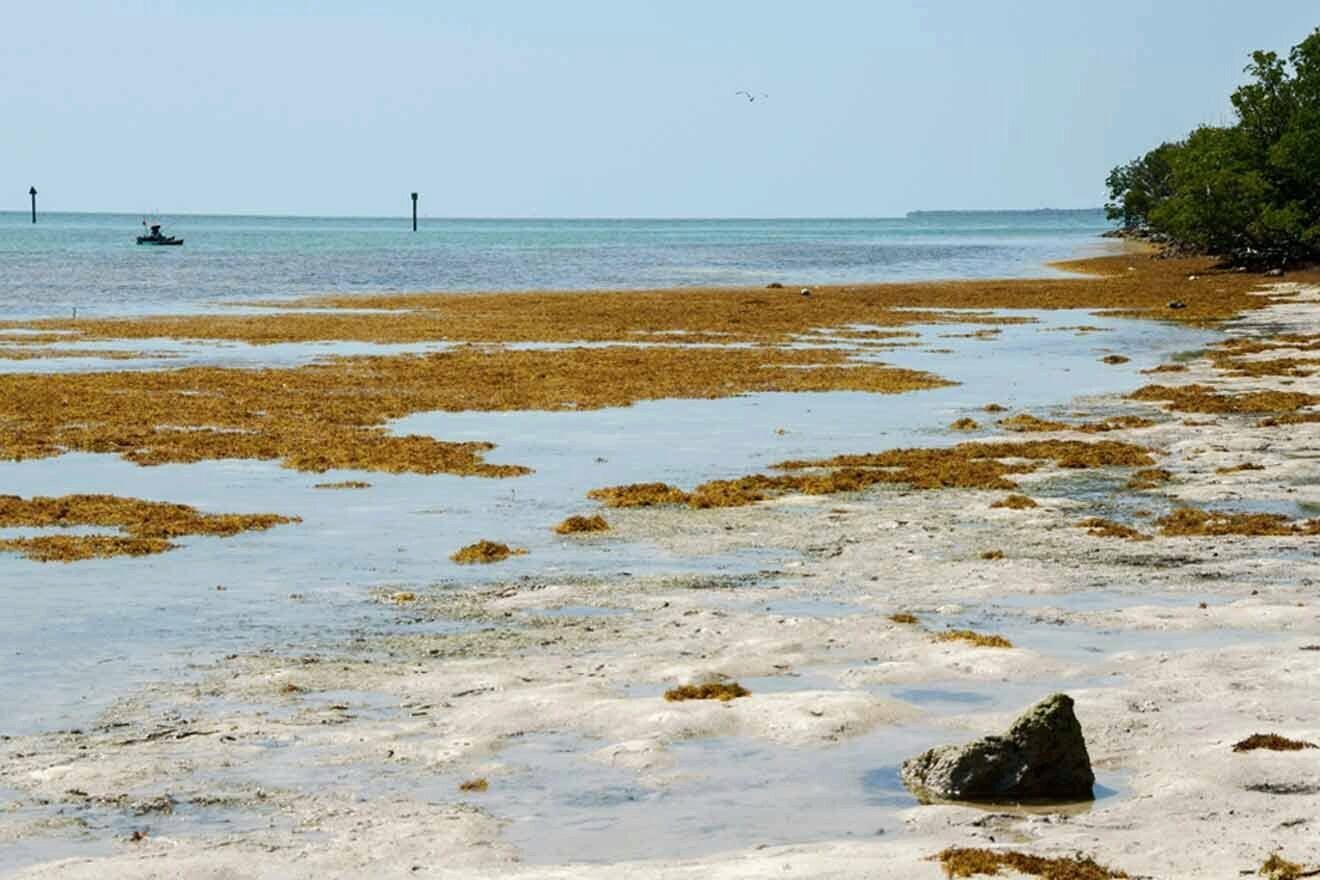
937,697
78,635
1104,600
561,803
966,697
90,830
1054,637
728,793
723,794
73,842
175,354
810,608
90,261
1103,494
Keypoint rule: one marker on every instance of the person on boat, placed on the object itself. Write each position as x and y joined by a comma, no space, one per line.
155,236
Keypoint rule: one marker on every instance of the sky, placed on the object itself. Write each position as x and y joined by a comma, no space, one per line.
618,108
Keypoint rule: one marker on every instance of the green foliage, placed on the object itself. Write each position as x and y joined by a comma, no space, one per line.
1138,186
1250,191
1217,193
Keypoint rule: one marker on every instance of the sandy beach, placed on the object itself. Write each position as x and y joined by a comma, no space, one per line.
1159,565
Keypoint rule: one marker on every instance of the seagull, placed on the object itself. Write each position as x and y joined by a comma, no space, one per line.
749,96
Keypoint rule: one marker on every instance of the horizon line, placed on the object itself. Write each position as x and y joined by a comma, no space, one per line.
546,217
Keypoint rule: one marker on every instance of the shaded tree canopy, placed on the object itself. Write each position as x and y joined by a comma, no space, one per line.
1249,192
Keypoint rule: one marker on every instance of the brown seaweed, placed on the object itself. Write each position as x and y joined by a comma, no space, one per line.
973,862
722,691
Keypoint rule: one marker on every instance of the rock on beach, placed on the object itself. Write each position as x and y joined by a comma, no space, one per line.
1042,757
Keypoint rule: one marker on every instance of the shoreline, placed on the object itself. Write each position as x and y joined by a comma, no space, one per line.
603,350
1129,284
826,666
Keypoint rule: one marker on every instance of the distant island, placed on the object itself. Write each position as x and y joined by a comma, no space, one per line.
1044,212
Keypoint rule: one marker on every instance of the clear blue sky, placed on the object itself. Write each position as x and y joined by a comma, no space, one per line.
611,108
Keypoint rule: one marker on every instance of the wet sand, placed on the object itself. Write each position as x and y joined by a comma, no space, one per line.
345,755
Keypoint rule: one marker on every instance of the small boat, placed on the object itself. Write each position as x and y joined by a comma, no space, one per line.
155,236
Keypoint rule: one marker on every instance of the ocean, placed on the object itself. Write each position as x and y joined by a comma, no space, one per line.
91,262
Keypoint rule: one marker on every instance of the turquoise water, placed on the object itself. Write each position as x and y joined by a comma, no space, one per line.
91,262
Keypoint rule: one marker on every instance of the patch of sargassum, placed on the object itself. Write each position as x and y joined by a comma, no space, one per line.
135,527
1131,285
992,465
986,466
333,414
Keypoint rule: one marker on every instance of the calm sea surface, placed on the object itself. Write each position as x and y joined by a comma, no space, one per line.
90,261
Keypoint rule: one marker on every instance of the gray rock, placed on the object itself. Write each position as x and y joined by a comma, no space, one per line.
1274,273
1042,758
1177,304
806,291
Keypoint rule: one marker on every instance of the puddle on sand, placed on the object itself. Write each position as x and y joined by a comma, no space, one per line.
1100,790
1104,494
1105,600
953,700
758,598
1077,642
296,766
108,625
939,697
87,829
172,354
353,704
64,840
725,794
963,697
729,793
1288,507
809,608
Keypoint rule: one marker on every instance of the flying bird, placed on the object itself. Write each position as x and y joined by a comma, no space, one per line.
749,96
